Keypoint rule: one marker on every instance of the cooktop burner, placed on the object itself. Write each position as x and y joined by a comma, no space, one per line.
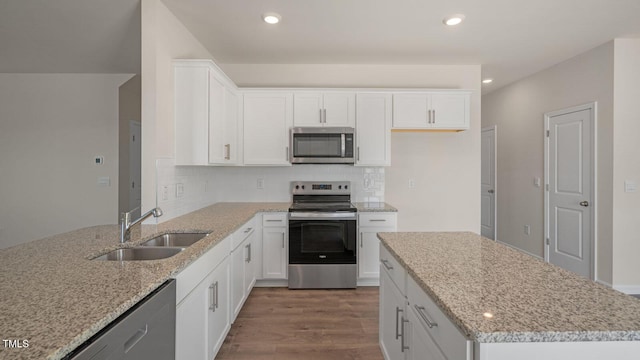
321,196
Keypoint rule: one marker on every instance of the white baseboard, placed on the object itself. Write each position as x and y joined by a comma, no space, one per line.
628,289
272,283
604,283
369,282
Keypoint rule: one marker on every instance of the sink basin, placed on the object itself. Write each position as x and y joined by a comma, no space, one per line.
174,239
140,253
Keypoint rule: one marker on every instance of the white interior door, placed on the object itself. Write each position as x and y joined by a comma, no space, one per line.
488,183
135,163
569,173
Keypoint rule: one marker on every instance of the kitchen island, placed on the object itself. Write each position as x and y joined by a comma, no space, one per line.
506,304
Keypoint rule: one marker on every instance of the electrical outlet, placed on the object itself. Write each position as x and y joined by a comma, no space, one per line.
527,230
179,190
412,183
260,183
165,193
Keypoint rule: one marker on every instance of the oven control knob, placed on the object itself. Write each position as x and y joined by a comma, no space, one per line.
346,187
297,187
340,187
302,187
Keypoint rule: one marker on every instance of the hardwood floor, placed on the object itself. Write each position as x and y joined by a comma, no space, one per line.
277,323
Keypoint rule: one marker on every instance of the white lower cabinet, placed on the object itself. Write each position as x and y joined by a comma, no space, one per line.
412,326
243,274
369,224
274,246
202,317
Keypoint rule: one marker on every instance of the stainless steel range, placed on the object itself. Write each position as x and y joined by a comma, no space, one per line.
322,236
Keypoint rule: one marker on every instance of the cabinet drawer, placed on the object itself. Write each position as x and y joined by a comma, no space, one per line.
392,267
274,220
191,276
450,340
244,232
378,219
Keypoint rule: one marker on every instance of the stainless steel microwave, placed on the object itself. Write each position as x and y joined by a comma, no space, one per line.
322,145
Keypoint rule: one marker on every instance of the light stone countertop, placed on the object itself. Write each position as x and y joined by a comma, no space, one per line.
532,301
374,207
52,295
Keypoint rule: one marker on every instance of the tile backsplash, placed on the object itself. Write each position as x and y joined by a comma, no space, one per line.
182,189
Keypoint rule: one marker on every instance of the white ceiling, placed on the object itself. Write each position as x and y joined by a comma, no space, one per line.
509,38
70,36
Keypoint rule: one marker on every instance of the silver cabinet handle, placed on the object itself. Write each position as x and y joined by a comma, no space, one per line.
378,220
584,203
286,149
227,148
320,111
248,229
386,264
135,338
324,118
250,253
423,315
274,220
283,240
403,347
216,292
491,191
212,296
248,258
434,115
398,311
360,239
358,153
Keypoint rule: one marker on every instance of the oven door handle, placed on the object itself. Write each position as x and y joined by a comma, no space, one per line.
322,216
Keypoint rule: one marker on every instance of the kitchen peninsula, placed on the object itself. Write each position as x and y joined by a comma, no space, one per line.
478,299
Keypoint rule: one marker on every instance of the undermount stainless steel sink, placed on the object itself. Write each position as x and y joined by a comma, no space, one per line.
174,239
140,253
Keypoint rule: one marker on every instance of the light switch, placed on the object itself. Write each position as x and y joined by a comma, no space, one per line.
179,190
630,186
536,182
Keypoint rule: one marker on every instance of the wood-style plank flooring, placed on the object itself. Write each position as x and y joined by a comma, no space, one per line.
277,323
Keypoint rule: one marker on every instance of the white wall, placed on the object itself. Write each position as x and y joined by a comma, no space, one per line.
51,127
446,166
626,165
164,38
128,110
518,112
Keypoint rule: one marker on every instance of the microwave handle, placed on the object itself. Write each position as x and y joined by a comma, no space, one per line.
343,144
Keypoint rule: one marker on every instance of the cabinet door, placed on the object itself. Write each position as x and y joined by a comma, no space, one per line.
274,253
411,111
218,309
369,253
339,109
191,114
249,263
307,109
267,120
191,324
420,345
230,141
373,129
450,111
392,308
237,280
217,119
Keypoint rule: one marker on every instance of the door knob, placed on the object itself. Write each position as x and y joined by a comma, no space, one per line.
584,203
490,191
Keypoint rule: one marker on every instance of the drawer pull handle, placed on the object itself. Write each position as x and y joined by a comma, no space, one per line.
378,220
273,220
248,229
423,315
136,338
386,264
212,297
403,347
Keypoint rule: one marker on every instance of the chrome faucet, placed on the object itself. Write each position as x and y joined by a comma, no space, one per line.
126,224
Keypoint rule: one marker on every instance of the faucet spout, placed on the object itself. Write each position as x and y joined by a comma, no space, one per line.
126,224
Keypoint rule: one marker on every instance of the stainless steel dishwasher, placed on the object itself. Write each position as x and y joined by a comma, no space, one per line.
146,331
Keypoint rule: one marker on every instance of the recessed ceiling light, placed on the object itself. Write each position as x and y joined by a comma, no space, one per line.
453,20
487,81
271,18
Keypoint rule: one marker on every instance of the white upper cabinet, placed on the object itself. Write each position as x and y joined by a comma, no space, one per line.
268,117
206,114
373,129
324,108
442,110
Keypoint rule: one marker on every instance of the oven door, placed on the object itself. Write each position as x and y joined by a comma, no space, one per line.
322,238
